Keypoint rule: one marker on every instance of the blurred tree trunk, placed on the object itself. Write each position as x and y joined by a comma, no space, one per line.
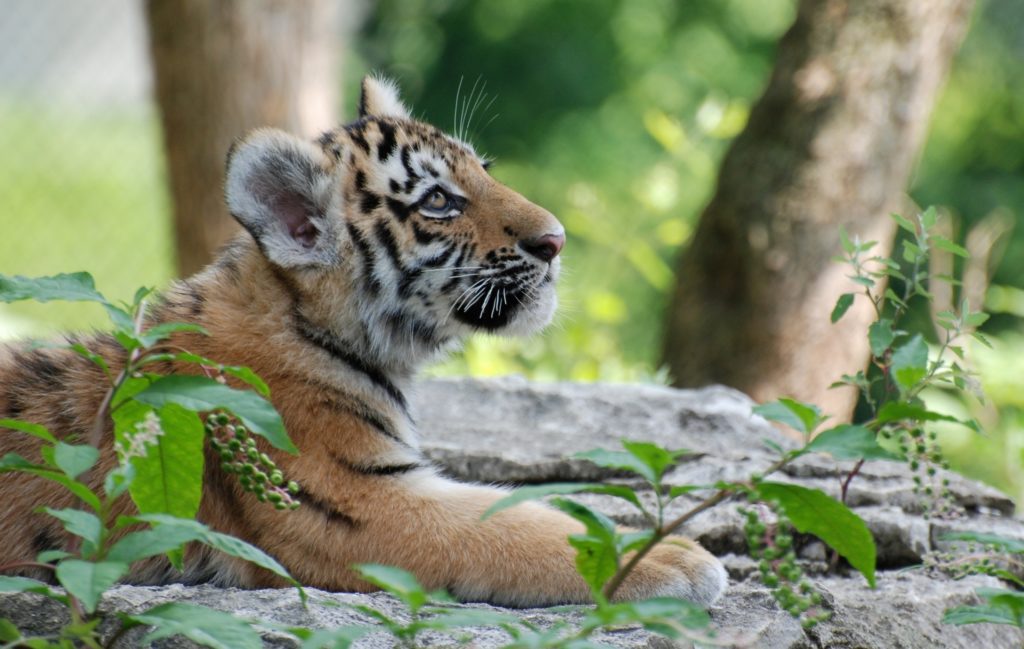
831,142
222,68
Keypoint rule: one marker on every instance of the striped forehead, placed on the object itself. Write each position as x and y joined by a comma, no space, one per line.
409,157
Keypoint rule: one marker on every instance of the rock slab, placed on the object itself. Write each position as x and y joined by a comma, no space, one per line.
512,431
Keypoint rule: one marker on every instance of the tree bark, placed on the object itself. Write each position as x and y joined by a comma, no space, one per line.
225,67
831,142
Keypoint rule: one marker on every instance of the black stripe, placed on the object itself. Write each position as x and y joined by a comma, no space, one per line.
355,134
412,176
399,209
329,343
372,283
360,181
439,259
402,322
423,236
387,239
369,202
377,469
394,186
41,369
197,299
45,539
354,406
454,281
328,511
387,141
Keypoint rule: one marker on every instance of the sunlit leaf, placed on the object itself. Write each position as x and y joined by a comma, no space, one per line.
202,625
200,394
850,442
87,581
73,287
813,512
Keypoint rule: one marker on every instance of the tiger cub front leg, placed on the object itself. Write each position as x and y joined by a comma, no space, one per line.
518,557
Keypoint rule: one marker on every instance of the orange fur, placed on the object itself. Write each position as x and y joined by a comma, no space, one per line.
346,282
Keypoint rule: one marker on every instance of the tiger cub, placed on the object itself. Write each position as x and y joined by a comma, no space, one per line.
365,253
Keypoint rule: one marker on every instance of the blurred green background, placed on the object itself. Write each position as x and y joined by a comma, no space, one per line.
613,114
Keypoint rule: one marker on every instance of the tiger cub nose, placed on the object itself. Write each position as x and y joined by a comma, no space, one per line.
544,248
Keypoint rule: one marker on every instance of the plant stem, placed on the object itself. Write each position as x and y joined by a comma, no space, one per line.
26,564
660,533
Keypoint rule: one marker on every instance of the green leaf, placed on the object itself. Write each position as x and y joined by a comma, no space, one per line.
165,330
813,512
8,632
26,585
147,543
618,460
199,393
866,282
74,460
121,319
74,287
976,319
169,478
804,417
910,362
1002,543
34,430
596,551
630,541
929,217
904,223
881,336
943,243
983,614
223,542
77,488
400,583
14,462
850,442
656,458
240,372
535,492
842,306
80,523
118,480
204,626
844,240
96,359
52,556
1001,606
87,580
903,411
680,490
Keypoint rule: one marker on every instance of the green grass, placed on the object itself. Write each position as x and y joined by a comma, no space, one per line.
80,191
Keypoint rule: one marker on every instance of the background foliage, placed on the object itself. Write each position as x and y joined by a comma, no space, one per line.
613,114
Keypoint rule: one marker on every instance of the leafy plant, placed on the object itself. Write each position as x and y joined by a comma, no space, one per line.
159,446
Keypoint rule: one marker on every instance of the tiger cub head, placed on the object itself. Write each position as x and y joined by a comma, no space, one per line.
393,227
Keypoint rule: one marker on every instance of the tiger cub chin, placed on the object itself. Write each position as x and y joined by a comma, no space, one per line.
366,253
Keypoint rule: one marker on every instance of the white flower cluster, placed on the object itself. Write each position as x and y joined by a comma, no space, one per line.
146,434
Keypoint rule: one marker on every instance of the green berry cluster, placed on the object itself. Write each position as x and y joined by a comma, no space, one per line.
256,472
925,459
771,544
975,559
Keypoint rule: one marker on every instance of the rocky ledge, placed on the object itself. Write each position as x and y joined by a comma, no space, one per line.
512,431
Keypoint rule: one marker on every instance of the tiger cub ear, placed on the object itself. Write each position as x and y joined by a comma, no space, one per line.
380,98
279,188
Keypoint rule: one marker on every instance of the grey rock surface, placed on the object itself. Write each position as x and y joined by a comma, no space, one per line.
511,431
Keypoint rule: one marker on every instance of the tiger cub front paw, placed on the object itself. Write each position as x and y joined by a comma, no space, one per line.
677,567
